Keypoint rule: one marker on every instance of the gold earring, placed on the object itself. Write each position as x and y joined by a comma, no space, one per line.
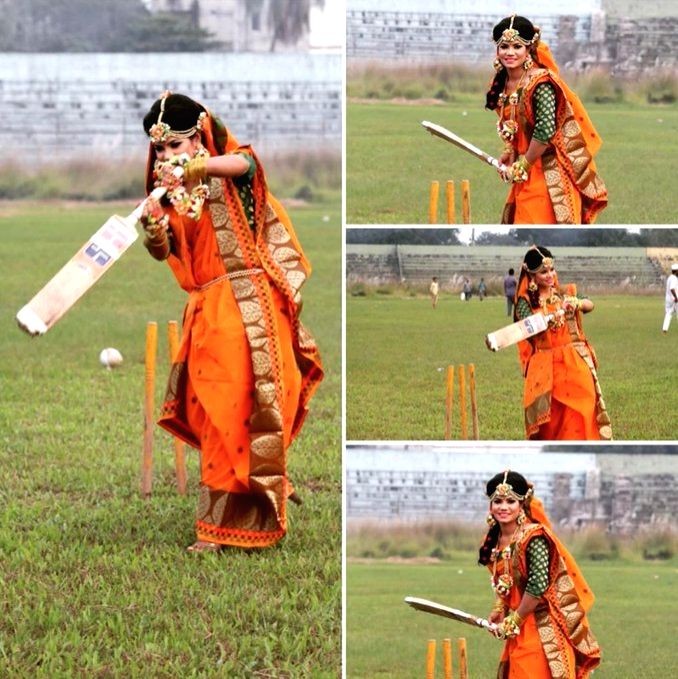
528,63
532,286
520,520
496,64
490,521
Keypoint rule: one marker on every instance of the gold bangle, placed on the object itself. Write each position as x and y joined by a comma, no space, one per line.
196,169
525,164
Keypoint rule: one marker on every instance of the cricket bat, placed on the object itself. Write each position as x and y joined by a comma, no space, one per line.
82,271
519,331
446,612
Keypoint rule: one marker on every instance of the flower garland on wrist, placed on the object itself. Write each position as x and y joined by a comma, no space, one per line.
574,302
154,221
185,203
520,170
510,625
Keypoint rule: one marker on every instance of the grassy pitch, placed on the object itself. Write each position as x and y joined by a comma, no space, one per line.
391,161
386,638
95,581
398,350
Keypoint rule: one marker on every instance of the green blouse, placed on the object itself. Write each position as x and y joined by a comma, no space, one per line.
544,101
244,185
523,308
537,566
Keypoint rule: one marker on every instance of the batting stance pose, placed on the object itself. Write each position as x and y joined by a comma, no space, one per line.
549,140
562,397
246,367
541,595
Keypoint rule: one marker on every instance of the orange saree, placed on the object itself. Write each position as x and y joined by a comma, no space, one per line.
246,367
562,399
563,186
555,640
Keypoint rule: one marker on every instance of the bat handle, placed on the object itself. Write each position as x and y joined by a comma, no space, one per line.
503,169
156,194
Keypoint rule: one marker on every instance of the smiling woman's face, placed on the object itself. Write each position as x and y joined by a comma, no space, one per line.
505,509
545,278
511,54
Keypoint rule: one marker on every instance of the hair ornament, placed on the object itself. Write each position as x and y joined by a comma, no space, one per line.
161,132
511,34
505,490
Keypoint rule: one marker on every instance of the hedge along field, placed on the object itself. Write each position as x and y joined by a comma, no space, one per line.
386,638
398,349
96,581
391,161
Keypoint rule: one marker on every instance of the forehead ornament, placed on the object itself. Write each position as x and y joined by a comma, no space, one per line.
511,34
505,490
161,132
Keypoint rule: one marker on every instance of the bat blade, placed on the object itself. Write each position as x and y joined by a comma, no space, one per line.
446,612
517,332
78,275
452,138
84,269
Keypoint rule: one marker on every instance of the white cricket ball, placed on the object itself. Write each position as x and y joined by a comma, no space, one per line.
110,358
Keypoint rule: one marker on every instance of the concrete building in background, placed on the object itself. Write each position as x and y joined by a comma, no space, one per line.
73,105
623,490
625,37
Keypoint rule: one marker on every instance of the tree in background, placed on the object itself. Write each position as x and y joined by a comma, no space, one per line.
289,20
403,236
578,237
659,238
95,26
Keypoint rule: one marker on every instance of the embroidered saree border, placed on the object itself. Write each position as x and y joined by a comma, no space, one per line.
560,617
263,510
569,162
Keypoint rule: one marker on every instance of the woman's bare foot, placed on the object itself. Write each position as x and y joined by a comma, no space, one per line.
204,546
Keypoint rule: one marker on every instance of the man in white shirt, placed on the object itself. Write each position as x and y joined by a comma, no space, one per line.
671,300
434,290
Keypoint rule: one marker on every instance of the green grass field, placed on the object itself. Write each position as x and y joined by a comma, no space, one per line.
386,638
95,581
391,160
398,349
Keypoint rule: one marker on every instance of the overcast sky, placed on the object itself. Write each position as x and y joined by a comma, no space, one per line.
327,25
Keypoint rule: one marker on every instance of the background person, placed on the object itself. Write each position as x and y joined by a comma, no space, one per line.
671,299
510,285
482,289
434,291
549,140
467,290
542,598
246,367
561,397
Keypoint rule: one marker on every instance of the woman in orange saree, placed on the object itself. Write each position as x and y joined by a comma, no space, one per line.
542,598
562,398
246,367
549,140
